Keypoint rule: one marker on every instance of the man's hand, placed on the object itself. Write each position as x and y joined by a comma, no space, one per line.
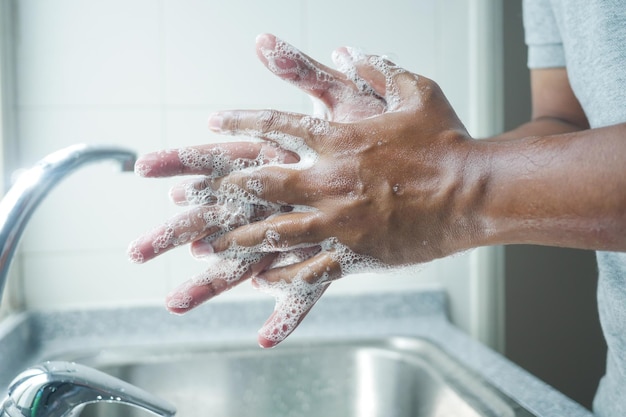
381,180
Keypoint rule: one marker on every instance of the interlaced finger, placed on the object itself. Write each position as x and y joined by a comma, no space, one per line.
211,160
293,132
279,233
223,274
332,87
296,288
198,223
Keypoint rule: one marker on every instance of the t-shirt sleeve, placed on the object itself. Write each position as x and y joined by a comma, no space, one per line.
545,48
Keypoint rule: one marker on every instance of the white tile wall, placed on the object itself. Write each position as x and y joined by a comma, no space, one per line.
146,74
95,53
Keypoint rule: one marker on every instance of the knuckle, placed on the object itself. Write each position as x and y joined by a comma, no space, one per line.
309,227
428,87
256,183
268,120
314,127
232,122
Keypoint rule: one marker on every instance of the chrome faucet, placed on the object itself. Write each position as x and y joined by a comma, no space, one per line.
33,185
61,389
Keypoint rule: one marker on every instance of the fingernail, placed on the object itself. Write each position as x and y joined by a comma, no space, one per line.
355,54
178,303
341,58
201,249
178,194
134,253
144,164
216,121
265,40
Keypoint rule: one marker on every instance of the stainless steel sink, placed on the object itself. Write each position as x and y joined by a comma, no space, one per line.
391,377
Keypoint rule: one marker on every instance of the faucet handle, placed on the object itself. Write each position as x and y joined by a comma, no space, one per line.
57,389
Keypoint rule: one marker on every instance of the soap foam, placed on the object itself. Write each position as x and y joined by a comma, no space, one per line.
304,73
171,235
390,72
293,299
300,72
134,254
217,162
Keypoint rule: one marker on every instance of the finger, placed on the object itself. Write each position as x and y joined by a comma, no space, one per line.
290,64
291,257
291,131
276,234
344,94
315,266
285,318
224,274
348,61
197,191
296,288
211,160
207,191
391,81
400,85
195,224
274,187
183,228
369,72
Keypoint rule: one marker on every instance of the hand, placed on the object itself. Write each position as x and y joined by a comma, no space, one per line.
395,189
345,96
388,190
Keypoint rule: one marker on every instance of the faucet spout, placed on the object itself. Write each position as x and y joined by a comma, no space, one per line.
34,184
60,389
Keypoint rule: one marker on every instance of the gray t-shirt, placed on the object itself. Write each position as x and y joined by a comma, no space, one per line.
588,37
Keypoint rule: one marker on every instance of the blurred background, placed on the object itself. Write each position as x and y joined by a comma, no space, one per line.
145,74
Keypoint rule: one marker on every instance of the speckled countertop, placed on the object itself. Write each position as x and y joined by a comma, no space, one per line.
29,338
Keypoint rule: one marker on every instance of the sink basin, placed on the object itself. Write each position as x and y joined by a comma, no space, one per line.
385,377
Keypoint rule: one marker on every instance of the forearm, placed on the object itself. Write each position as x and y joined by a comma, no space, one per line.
567,189
543,126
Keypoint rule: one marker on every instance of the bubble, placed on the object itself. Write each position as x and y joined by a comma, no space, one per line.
255,185
390,71
297,145
350,261
272,240
292,301
134,254
289,63
316,126
229,265
180,300
142,169
172,235
199,194
347,66
217,162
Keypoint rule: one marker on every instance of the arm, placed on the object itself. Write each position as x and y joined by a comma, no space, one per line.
555,108
555,182
561,186
405,186
562,190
